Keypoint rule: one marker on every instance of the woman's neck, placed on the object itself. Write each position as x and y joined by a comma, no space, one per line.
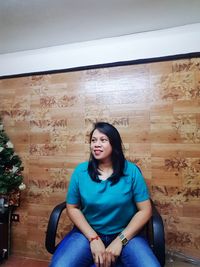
106,165
105,169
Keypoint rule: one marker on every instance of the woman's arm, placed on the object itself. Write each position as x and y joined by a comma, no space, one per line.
135,225
139,219
96,245
79,220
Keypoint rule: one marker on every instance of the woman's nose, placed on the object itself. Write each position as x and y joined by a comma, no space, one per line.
98,143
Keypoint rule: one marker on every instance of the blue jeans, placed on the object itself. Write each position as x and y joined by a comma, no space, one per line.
74,251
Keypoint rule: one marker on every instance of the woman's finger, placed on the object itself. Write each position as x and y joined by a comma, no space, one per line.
108,259
101,261
96,261
113,258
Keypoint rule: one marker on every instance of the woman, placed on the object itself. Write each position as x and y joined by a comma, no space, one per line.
108,202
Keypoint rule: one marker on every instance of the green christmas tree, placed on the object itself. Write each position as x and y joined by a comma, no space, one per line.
10,165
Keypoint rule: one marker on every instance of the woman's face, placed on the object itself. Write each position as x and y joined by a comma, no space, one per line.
100,146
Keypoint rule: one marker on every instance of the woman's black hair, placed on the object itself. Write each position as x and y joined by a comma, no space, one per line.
117,156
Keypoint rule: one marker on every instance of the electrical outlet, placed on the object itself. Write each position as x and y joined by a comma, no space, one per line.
15,217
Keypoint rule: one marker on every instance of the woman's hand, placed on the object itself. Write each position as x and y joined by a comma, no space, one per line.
98,252
113,251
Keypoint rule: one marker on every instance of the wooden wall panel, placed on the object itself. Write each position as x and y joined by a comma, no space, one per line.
156,108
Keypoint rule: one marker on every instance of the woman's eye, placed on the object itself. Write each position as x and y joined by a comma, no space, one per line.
104,140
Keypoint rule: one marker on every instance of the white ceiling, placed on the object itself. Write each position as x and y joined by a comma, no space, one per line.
33,24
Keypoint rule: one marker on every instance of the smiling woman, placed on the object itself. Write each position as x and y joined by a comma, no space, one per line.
100,191
101,147
107,158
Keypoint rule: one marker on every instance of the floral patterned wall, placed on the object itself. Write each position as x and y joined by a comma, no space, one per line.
155,106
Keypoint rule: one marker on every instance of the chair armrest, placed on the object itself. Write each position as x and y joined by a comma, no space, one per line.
159,235
52,227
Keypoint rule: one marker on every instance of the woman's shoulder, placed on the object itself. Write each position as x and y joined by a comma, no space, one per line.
131,167
130,164
81,167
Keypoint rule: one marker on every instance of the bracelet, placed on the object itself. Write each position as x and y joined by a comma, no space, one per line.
94,238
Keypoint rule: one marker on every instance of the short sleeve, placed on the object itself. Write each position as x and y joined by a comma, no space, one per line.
140,189
73,195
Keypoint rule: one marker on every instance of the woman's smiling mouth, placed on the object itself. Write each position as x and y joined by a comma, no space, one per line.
97,152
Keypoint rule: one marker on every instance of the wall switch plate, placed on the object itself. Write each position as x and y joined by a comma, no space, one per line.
15,217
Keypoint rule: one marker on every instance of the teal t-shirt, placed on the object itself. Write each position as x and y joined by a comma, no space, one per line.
107,208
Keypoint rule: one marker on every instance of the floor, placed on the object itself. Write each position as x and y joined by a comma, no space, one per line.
13,261
24,262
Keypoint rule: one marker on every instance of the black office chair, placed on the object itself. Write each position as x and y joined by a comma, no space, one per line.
154,232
